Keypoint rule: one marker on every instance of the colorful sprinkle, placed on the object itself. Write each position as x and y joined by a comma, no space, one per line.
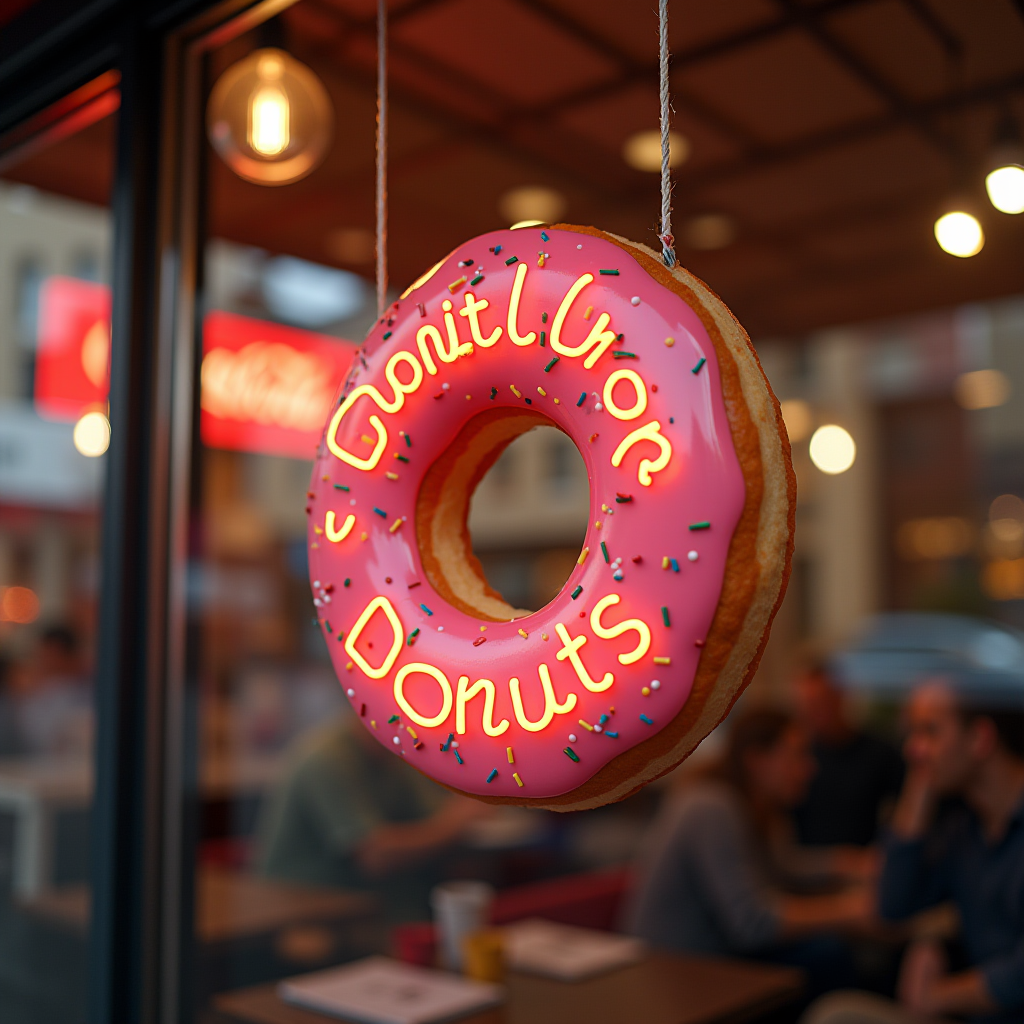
646,720
458,757
664,616
547,369
493,775
519,781
655,684
576,593
543,339
614,735
700,363
609,273
604,551
508,754
583,556
393,719
411,731
623,499
426,609
623,355
380,512
675,564
589,310
421,308
586,725
523,633
635,301
541,391
700,526
391,476
543,318
340,487
408,439
516,391
511,260
412,636
662,661
448,742
479,640
494,393
476,280
582,399
387,334
543,236
571,754
348,582
457,284
402,458
692,556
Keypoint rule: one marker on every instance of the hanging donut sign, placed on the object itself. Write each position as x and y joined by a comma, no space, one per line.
687,551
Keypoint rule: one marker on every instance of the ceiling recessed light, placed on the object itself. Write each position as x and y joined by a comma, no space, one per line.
532,202
642,151
709,231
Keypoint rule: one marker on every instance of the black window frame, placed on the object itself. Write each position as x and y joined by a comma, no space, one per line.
143,849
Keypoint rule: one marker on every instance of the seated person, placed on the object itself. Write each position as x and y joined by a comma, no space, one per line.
858,777
710,880
351,814
969,849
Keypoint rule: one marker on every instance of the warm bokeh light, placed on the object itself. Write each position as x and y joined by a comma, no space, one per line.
1006,518
92,434
269,118
982,389
832,449
1005,187
798,418
18,604
351,245
642,151
959,234
709,231
532,202
1003,579
269,109
935,537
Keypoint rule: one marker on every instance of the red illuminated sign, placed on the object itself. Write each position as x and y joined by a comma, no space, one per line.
265,387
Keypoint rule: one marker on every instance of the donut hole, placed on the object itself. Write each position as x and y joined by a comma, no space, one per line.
502,517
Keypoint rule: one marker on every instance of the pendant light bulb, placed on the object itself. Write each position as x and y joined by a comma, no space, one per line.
269,118
1005,187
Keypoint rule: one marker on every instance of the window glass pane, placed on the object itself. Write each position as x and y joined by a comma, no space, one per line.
55,237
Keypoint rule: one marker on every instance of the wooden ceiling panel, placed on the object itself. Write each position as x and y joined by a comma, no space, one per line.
897,45
861,172
504,44
992,33
691,24
610,120
781,89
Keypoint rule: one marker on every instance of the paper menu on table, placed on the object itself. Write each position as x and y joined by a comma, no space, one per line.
566,953
379,990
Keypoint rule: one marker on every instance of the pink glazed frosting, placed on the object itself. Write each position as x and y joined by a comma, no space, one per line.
563,690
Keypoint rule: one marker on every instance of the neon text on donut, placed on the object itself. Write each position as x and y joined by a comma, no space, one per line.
406,371
483,692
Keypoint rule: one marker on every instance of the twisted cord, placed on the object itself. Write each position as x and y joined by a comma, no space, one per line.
382,158
668,252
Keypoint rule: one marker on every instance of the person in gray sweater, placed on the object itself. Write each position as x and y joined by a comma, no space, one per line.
719,873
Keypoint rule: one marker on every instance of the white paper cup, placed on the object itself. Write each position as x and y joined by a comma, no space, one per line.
460,908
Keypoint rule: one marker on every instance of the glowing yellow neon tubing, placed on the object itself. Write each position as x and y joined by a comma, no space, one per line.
396,643
611,632
334,535
442,681
648,432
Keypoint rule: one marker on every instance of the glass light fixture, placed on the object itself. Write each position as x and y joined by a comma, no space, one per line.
269,118
832,449
959,233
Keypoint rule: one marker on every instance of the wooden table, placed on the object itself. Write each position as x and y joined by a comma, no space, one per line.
662,989
230,905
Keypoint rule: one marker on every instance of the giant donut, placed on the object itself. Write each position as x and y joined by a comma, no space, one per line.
688,546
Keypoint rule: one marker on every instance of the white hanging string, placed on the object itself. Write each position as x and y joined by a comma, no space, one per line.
382,158
668,252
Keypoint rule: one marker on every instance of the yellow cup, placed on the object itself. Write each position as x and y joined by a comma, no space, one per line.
483,955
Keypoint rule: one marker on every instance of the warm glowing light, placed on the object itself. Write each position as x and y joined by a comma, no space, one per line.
18,604
833,450
526,224
796,414
709,231
1006,518
92,434
935,537
269,115
959,234
642,151
269,118
1005,187
532,202
1003,579
982,389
